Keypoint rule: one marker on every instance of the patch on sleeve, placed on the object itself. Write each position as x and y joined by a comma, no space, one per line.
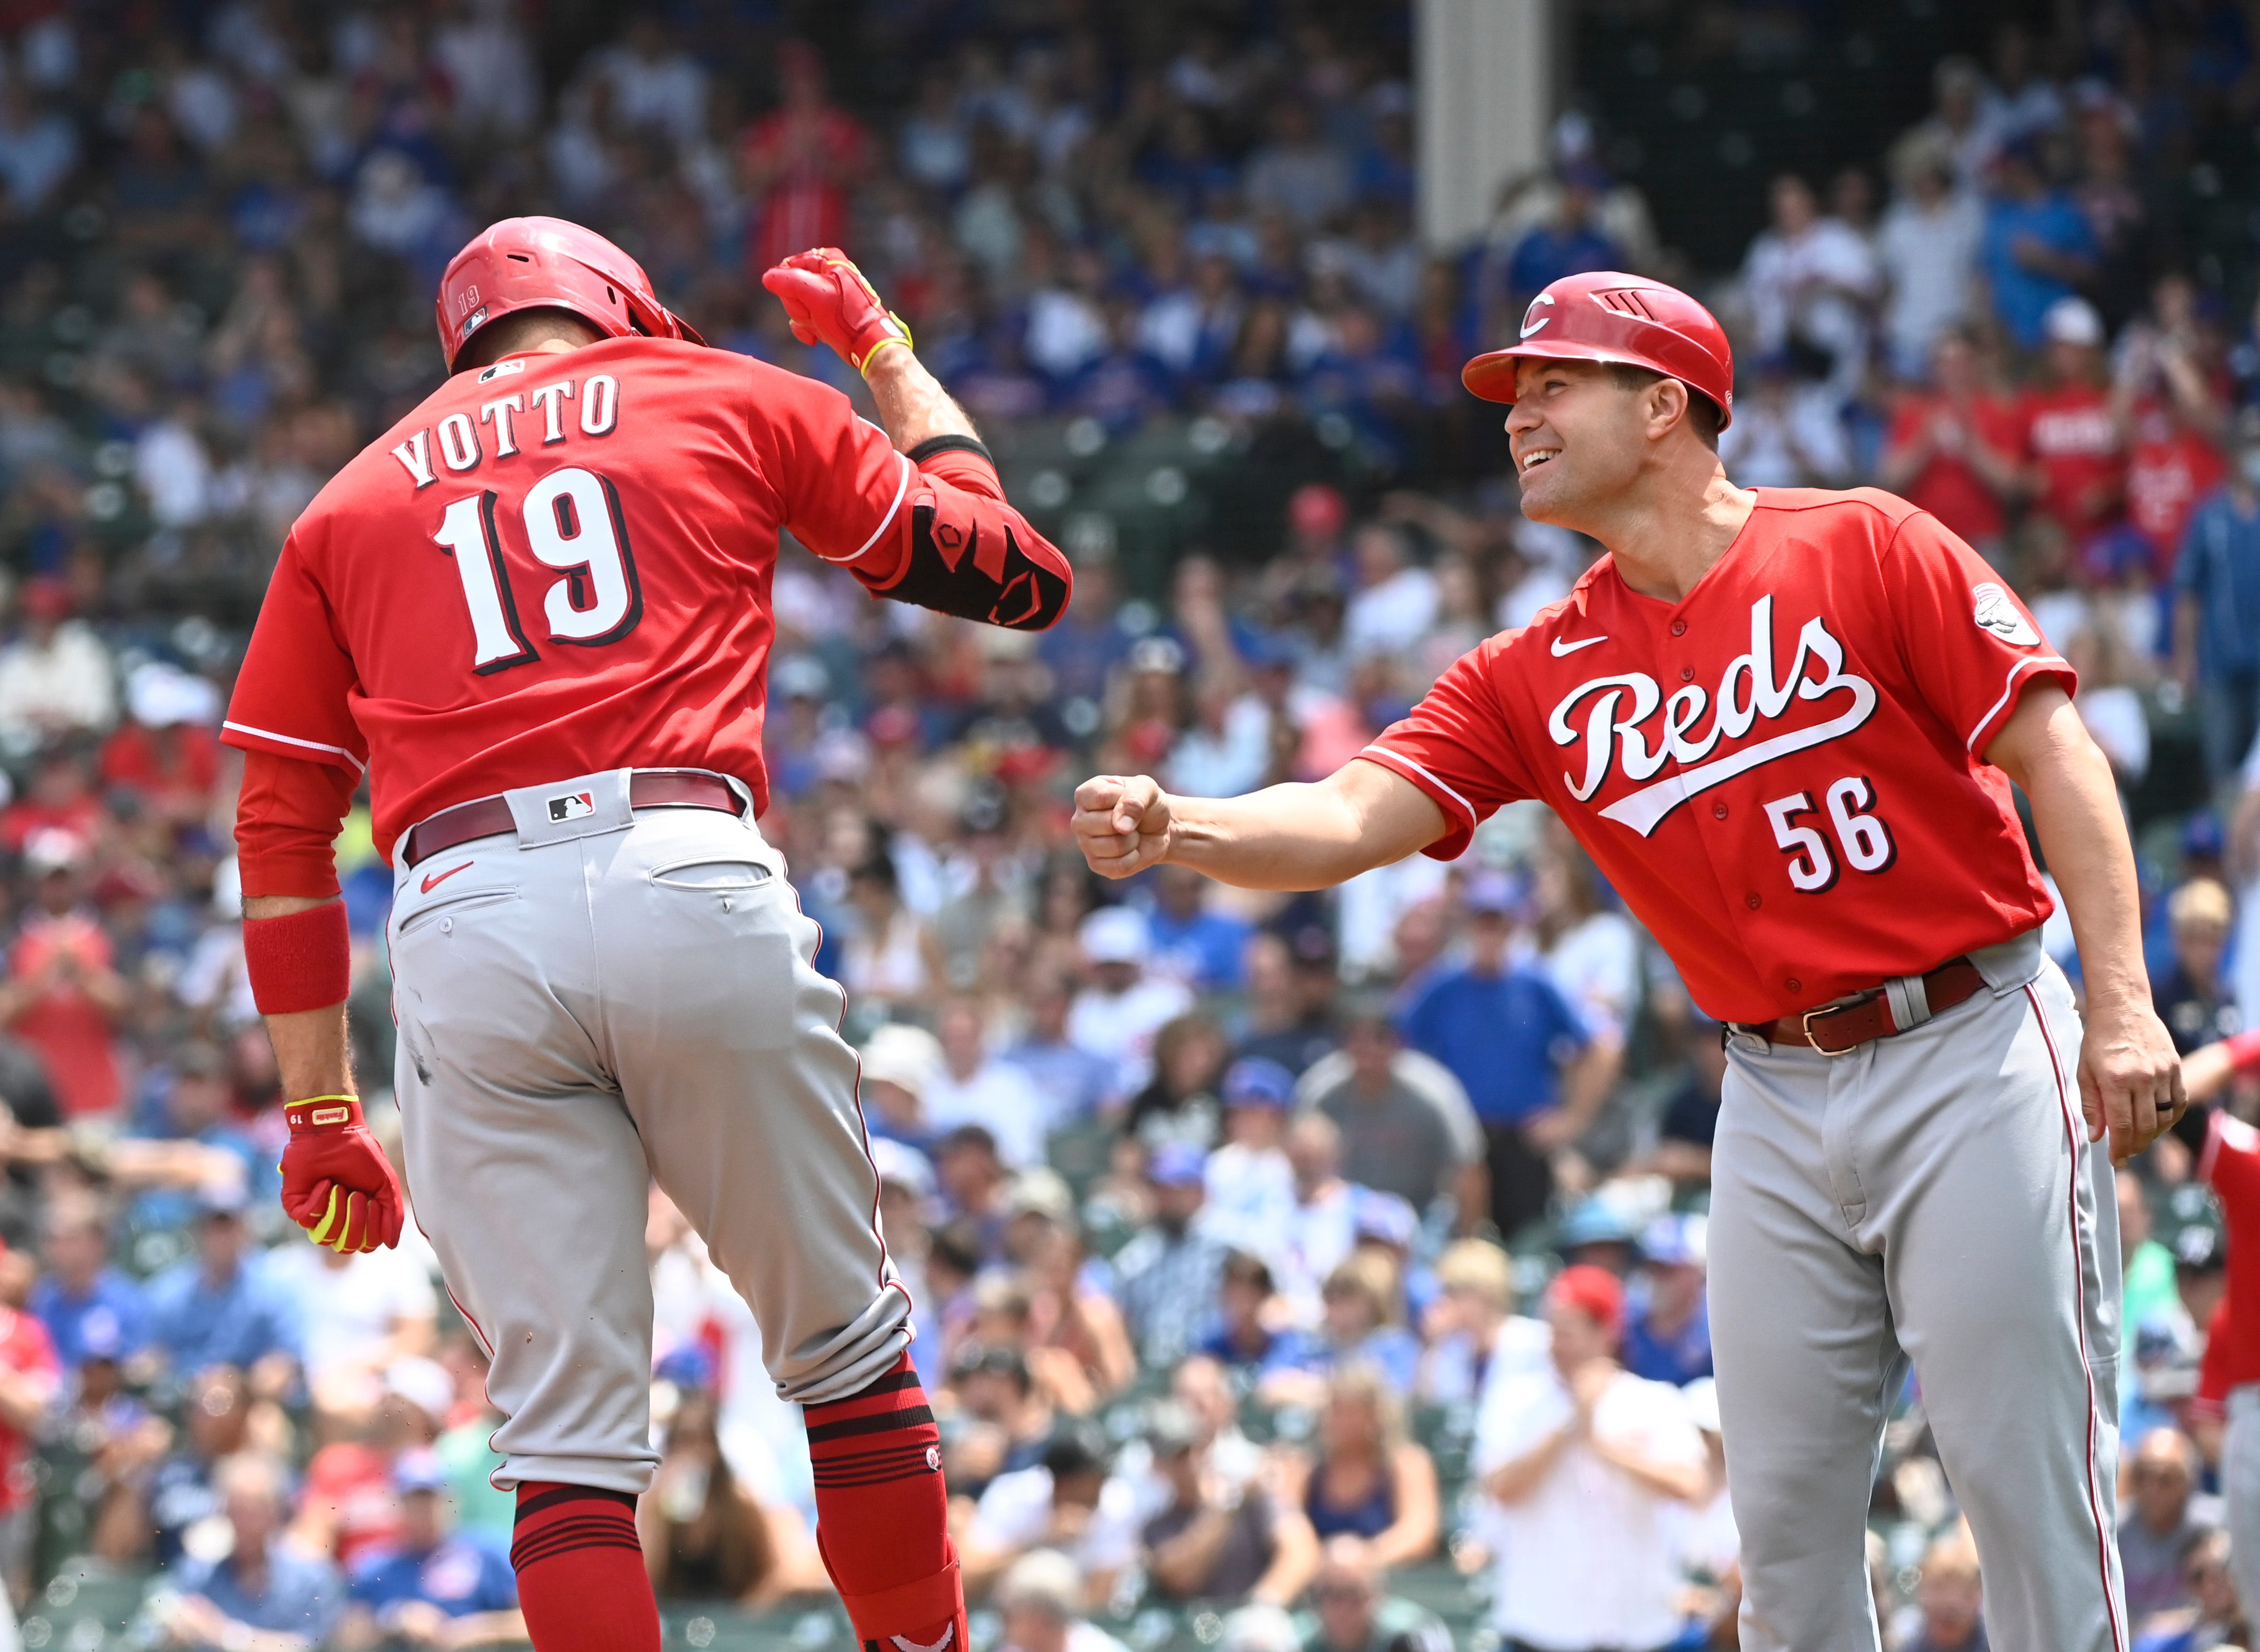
1996,613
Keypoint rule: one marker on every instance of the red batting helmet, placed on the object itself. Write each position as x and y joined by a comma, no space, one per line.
532,263
1609,317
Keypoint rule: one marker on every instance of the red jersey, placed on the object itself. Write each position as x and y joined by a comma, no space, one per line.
70,1029
1949,487
1782,774
2070,433
2169,469
558,564
2231,1162
25,1350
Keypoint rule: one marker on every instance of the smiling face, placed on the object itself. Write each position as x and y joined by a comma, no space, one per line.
1577,437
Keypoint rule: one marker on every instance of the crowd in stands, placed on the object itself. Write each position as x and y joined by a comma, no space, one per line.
1334,1264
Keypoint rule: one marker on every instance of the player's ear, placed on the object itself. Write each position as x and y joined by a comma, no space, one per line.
1667,406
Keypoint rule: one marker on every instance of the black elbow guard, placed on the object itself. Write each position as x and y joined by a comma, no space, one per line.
978,558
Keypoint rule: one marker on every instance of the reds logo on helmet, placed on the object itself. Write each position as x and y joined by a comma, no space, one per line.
1608,316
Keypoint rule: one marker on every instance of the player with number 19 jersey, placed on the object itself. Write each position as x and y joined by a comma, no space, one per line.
1764,763
556,559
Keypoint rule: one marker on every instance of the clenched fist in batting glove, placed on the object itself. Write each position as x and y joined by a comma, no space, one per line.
337,1183
829,301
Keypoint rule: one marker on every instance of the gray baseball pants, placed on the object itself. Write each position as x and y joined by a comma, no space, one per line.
2240,1491
1928,1198
592,1003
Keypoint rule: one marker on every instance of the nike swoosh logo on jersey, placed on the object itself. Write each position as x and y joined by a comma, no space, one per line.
437,878
1562,646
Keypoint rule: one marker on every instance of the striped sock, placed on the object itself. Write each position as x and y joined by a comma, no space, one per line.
883,1515
581,1577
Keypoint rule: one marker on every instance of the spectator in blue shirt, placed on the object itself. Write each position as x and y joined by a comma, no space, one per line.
2037,244
1201,946
1073,1081
190,1103
1667,1335
1523,1054
263,1594
1570,246
434,1587
81,1299
221,1306
2217,608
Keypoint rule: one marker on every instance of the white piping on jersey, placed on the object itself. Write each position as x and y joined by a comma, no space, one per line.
902,487
2007,689
292,740
1378,749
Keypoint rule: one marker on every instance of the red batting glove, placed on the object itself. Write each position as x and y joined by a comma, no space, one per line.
337,1183
830,302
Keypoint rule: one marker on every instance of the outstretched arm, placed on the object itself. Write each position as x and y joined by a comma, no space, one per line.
1288,837
2130,1080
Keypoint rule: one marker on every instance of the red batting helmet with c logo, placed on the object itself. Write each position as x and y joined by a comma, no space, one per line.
1606,316
535,263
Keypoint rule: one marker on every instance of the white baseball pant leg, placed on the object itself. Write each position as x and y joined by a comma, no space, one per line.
2240,1491
1931,1197
588,1004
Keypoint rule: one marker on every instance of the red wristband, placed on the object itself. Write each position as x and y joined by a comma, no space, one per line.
301,961
2244,1051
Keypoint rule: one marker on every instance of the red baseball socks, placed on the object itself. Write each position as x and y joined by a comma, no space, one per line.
580,1576
883,1516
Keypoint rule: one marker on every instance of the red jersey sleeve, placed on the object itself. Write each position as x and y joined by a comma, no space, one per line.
1970,647
292,695
2213,1371
1458,746
840,482
2231,1163
287,816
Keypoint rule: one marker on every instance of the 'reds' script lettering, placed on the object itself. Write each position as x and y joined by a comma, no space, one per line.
460,450
1618,735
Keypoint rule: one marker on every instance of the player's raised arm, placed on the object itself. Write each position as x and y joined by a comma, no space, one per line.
954,544
1286,837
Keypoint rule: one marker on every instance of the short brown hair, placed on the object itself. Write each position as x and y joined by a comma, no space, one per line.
1702,412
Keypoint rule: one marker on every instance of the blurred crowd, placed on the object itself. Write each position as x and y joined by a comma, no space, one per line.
1333,1264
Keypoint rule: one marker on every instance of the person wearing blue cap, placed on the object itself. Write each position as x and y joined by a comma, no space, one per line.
434,1586
1169,1271
1251,1186
1666,1334
1531,1067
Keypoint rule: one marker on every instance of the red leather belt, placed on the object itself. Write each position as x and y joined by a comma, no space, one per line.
1839,1029
648,789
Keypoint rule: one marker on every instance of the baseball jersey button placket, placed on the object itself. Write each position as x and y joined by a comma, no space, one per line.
1717,811
1679,627
1686,673
1754,900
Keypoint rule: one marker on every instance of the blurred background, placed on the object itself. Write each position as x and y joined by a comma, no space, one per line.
1233,1331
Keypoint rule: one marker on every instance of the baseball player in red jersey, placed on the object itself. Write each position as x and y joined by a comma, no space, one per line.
2228,1155
1784,725
537,614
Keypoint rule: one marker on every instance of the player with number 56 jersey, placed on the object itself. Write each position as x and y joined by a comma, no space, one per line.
537,615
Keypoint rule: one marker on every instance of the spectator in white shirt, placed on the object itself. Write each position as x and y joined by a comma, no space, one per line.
1592,1469
1116,1016
1042,1601
1069,1502
655,84
1396,601
974,1087
360,1312
1321,1226
1810,279
55,678
1929,246
1251,1186
1472,1337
